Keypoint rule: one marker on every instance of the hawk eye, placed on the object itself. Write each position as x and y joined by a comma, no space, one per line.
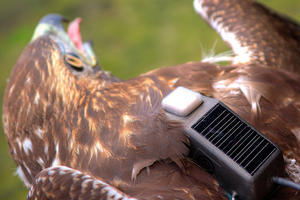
74,61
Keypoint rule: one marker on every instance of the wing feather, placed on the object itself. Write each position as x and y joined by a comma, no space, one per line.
255,33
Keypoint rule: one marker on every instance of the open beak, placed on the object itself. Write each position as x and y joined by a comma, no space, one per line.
52,25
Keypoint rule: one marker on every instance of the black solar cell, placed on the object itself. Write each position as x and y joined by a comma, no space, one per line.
238,140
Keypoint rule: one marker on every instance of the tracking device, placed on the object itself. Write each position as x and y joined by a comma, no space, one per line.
242,160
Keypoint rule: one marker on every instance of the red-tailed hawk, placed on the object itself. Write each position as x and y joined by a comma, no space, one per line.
77,132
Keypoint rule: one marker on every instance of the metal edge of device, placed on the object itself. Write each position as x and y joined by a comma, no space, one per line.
230,175
273,166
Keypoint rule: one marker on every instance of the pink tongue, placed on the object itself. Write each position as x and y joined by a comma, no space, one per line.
74,33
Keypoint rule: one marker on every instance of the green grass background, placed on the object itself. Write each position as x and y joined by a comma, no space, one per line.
130,37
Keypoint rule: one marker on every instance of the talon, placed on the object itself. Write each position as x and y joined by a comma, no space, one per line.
137,167
134,175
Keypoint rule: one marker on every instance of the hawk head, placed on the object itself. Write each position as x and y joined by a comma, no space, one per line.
78,55
55,61
51,76
60,108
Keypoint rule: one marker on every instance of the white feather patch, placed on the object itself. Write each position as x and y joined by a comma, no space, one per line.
41,162
27,146
46,149
200,9
22,176
55,162
39,132
37,98
28,80
292,169
212,57
11,89
252,95
18,141
243,53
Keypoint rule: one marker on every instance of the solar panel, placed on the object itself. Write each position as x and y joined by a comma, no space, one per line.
235,138
240,157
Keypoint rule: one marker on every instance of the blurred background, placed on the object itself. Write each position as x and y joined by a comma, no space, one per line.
130,37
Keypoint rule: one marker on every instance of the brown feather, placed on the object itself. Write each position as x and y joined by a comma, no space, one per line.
255,33
65,128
